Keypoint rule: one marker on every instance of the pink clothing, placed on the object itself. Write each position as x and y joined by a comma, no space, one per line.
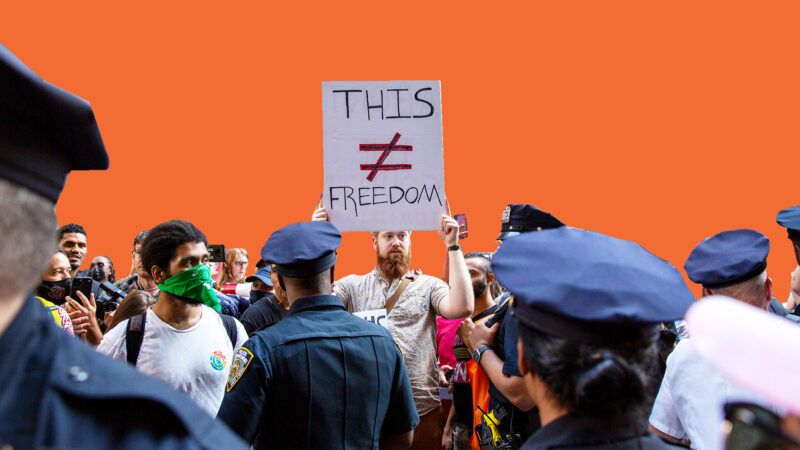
445,334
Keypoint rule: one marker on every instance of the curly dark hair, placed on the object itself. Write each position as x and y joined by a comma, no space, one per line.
158,247
609,382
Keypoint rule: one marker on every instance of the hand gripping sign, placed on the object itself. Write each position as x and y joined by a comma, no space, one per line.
384,165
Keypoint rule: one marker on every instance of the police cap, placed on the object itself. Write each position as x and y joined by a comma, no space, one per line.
579,284
521,218
302,249
789,218
728,258
718,324
45,132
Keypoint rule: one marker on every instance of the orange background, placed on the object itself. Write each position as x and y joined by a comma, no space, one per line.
659,122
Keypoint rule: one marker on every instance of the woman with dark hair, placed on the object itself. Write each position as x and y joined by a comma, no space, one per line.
588,309
135,302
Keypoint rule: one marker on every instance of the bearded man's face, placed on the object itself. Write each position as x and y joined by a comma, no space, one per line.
393,250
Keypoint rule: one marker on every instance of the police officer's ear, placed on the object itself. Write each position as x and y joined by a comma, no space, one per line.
158,274
767,291
706,292
281,283
521,363
332,278
489,278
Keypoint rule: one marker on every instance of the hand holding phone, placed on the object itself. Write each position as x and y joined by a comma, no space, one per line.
463,232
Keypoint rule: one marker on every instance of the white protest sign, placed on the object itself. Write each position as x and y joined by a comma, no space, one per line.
384,165
376,316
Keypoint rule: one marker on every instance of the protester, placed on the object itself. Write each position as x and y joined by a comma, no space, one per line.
72,241
136,254
320,378
140,279
412,303
58,393
470,385
102,269
495,348
731,263
235,267
181,340
266,306
134,304
588,309
54,284
758,363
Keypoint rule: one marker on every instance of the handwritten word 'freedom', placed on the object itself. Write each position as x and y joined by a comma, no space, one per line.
382,195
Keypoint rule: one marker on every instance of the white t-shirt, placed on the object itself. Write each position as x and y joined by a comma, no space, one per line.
195,361
691,399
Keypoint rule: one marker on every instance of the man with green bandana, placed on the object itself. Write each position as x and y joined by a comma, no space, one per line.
185,342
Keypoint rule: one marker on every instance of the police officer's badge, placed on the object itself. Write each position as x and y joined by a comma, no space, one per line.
241,359
506,215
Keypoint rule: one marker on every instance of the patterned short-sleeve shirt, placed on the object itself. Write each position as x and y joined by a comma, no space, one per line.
412,324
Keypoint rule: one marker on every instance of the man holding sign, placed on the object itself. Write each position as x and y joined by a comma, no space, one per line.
384,170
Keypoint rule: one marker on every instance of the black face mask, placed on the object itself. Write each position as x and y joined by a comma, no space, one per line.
54,291
257,295
98,274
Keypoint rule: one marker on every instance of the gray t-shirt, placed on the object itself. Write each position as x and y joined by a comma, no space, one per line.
412,324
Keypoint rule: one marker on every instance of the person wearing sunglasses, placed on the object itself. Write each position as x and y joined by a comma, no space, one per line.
757,364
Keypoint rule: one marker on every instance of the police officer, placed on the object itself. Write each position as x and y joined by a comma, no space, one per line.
789,218
731,263
321,377
57,392
495,348
588,309
734,263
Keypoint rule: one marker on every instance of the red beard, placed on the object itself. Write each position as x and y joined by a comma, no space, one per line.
395,265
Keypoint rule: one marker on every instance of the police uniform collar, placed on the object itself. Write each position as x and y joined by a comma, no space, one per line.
315,302
571,429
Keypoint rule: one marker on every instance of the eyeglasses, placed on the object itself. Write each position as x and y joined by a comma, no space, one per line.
751,427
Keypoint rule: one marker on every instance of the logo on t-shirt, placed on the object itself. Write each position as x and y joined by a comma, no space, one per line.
218,360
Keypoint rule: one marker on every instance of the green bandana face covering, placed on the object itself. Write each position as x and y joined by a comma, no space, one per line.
194,284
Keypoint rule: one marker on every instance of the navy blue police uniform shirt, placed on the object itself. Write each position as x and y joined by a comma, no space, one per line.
60,393
319,378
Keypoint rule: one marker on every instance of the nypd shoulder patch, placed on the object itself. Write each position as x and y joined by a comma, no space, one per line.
241,360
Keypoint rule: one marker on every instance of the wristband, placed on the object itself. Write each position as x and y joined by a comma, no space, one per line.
454,248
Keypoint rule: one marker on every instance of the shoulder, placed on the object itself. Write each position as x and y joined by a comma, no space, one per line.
351,280
682,353
80,372
430,282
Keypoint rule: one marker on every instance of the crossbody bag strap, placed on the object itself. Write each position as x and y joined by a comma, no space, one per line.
397,293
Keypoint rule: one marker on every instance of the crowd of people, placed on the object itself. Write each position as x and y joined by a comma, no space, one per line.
559,337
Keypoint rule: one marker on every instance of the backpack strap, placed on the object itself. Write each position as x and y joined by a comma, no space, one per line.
134,335
231,329
397,293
